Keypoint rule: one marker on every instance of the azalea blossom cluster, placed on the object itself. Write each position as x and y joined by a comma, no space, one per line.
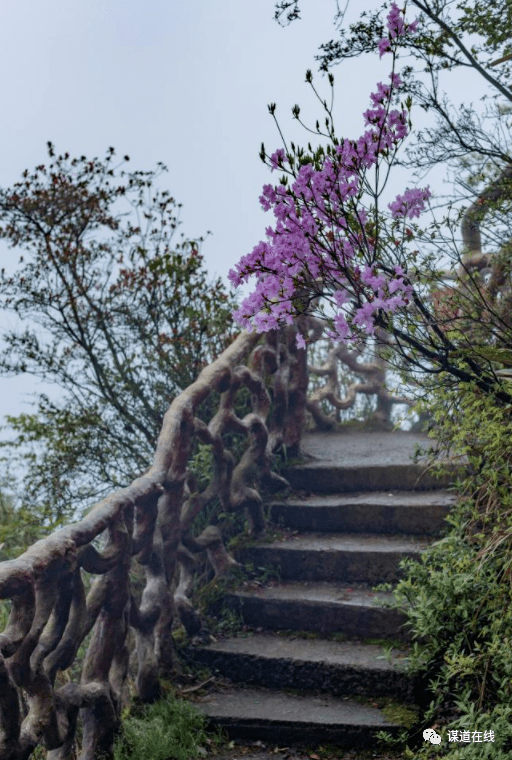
396,28
324,241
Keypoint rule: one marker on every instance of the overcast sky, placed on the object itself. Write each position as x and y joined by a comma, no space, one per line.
186,82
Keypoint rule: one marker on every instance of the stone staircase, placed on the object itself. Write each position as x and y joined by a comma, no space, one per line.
312,671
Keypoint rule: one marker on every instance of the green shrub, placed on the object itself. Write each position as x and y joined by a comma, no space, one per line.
459,596
170,729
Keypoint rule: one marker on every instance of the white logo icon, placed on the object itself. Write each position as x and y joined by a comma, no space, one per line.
430,736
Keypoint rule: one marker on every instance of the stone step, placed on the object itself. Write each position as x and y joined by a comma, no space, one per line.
352,610
290,719
410,512
331,477
347,558
339,668
352,460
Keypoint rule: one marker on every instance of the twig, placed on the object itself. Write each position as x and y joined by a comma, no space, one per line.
189,689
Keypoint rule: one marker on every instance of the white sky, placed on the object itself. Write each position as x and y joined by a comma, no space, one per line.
183,82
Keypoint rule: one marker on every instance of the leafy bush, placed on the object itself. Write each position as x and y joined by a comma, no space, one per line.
460,593
115,309
19,527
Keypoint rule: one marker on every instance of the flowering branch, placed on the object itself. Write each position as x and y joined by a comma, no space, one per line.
325,241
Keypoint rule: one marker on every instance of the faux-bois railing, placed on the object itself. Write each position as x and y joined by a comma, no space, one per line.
53,615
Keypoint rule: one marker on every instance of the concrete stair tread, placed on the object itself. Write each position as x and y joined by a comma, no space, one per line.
298,649
357,460
257,706
326,476
346,542
353,447
309,665
411,499
319,591
390,512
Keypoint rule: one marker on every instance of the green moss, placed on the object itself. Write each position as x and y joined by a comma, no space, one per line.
288,633
308,635
399,713
240,541
402,715
386,643
338,637
5,611
180,636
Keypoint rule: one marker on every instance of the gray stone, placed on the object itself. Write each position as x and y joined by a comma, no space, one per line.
359,558
282,718
355,611
417,512
339,668
328,477
357,461
352,447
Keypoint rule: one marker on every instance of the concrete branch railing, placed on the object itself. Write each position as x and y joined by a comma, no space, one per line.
74,590
147,523
360,371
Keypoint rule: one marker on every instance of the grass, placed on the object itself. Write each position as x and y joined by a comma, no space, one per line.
170,729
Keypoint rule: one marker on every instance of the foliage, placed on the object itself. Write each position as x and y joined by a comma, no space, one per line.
168,729
333,253
5,609
465,36
473,39
19,527
326,241
113,311
459,597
